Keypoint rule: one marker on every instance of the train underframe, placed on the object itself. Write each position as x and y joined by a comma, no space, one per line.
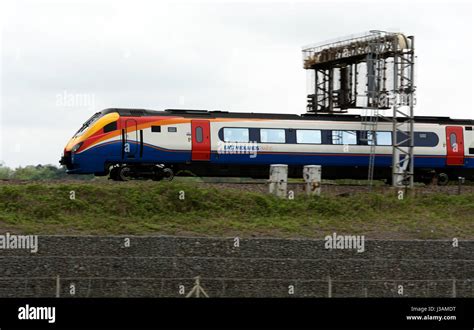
158,172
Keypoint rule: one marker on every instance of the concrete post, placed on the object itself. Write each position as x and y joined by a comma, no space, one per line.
329,287
461,181
278,180
58,287
454,288
312,179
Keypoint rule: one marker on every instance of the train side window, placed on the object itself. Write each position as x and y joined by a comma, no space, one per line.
234,134
172,129
308,136
272,135
156,129
426,139
453,140
344,137
110,127
199,134
383,138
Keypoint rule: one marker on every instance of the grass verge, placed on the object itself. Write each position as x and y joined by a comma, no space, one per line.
156,208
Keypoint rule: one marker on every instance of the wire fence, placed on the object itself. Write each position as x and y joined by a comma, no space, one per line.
68,287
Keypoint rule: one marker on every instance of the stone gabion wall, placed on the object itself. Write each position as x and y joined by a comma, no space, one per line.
162,266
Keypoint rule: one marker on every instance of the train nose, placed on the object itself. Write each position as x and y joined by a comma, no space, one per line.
66,160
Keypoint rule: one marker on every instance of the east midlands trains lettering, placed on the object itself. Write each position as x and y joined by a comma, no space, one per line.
146,144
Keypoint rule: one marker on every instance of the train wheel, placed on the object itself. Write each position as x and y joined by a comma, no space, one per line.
163,174
406,182
114,174
124,173
157,174
443,179
429,178
168,174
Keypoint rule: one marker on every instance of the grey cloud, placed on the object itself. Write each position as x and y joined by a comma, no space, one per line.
235,56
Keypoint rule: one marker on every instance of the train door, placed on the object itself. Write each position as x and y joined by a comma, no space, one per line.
130,143
454,145
201,140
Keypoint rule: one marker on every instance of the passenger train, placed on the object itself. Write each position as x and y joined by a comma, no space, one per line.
147,144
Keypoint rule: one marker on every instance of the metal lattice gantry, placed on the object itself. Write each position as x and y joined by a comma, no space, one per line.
403,117
372,71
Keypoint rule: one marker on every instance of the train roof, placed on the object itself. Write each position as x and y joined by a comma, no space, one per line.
254,115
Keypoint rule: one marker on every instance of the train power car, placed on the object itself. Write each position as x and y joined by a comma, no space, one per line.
147,144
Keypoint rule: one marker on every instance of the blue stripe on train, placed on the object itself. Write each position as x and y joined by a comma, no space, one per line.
93,159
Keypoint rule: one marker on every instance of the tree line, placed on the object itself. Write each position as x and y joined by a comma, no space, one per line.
39,172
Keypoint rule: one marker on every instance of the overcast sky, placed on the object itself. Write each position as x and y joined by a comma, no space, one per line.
61,61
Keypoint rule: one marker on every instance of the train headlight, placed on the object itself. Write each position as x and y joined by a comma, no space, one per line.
76,147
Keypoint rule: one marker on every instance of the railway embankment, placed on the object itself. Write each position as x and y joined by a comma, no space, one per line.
203,209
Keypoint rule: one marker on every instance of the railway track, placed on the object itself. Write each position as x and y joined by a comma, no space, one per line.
261,185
